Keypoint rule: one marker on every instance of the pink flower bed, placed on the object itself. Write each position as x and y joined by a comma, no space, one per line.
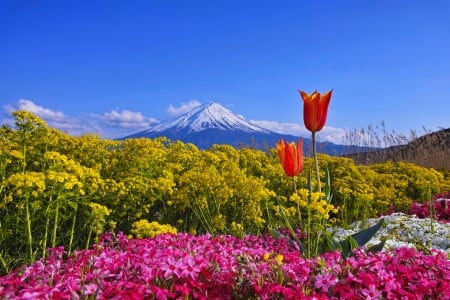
441,208
184,266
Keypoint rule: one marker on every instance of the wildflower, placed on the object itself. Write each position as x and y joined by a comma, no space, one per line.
279,259
90,289
170,268
189,268
371,293
315,109
291,157
324,282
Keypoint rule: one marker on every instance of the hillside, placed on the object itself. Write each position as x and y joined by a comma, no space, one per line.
431,150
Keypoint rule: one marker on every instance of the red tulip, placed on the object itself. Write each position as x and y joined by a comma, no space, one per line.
315,109
291,157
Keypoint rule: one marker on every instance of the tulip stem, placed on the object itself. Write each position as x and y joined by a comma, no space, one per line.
316,164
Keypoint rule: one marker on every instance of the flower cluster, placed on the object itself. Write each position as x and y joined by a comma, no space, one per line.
174,266
143,228
401,230
439,208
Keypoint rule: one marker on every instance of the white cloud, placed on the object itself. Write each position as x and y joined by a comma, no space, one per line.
332,134
55,119
185,107
285,128
40,111
113,124
327,134
127,119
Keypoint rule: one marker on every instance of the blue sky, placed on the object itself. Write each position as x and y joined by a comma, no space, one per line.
117,67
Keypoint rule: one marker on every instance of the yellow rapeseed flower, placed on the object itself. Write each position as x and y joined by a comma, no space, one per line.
279,259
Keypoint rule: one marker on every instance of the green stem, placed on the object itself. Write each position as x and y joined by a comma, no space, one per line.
310,234
308,218
319,189
431,207
72,230
24,152
204,220
298,205
47,222
316,164
4,264
30,237
89,236
268,215
55,224
344,213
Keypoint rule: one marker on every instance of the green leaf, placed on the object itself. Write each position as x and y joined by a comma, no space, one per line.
348,245
289,226
328,244
363,236
376,248
276,234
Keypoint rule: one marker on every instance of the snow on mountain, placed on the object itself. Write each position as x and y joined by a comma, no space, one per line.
207,116
211,123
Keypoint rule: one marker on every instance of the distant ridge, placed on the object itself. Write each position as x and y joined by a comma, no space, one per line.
212,123
431,150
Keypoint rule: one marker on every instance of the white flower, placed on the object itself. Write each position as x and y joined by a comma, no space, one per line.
403,230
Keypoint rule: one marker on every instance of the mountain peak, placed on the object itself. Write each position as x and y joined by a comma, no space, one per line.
211,115
211,123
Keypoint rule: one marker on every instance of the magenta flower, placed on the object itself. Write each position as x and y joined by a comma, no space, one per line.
371,293
90,288
189,268
221,267
171,267
324,282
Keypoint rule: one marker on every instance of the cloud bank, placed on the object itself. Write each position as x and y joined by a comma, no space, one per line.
183,108
327,134
112,124
120,123
56,119
126,119
40,111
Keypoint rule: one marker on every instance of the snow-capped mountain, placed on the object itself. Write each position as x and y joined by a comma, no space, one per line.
212,123
207,116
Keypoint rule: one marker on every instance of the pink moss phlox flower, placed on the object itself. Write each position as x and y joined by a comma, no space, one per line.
171,268
189,268
371,293
221,267
440,205
324,282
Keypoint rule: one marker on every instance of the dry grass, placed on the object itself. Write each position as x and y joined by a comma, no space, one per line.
431,150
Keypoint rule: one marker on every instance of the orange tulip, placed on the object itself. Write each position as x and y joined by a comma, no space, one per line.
315,109
291,157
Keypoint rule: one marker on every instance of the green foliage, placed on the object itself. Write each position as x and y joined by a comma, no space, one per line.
350,243
57,189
